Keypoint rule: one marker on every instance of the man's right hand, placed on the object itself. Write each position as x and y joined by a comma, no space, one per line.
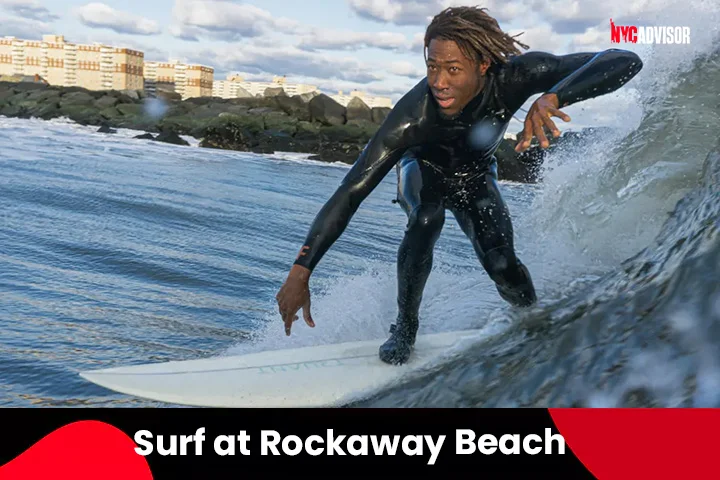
294,295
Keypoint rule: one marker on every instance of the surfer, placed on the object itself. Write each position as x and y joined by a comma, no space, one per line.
441,138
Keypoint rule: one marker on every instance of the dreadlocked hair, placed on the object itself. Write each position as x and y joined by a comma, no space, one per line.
476,33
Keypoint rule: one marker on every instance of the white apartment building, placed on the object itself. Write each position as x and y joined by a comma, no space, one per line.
236,86
105,67
174,76
95,67
370,101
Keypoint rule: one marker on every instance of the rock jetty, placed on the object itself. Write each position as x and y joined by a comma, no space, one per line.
310,123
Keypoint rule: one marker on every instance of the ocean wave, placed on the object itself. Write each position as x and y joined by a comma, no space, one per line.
646,200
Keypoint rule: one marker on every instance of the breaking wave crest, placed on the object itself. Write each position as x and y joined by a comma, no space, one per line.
646,198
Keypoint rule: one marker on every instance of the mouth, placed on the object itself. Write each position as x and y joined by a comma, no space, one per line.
444,102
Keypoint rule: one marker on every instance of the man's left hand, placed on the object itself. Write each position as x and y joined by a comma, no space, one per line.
538,117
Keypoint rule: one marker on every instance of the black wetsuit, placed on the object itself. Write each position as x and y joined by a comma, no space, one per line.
449,164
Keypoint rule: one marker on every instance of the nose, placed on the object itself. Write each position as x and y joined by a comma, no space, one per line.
439,81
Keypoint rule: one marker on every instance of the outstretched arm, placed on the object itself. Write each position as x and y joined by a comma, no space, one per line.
566,80
605,72
573,77
395,135
376,160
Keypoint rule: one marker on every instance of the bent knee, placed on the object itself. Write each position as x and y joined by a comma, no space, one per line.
502,264
426,218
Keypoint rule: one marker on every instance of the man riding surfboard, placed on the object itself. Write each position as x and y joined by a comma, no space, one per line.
476,78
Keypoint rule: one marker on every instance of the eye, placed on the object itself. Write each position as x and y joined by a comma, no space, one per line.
454,69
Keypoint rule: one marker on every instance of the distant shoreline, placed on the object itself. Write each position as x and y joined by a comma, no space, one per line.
311,124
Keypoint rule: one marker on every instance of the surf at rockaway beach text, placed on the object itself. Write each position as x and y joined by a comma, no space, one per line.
271,442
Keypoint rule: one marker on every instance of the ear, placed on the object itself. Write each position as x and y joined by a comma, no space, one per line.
483,66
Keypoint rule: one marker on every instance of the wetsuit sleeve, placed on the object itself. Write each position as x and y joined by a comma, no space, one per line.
381,153
574,77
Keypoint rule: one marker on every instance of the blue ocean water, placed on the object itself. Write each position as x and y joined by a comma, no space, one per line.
119,251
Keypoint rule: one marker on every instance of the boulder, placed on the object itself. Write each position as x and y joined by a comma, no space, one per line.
229,132
6,91
43,96
358,111
169,96
45,111
106,101
280,122
29,86
131,109
77,98
110,113
75,89
306,97
327,111
171,137
294,106
82,114
213,109
10,110
379,114
134,94
196,101
311,123
105,128
242,93
274,92
359,133
524,167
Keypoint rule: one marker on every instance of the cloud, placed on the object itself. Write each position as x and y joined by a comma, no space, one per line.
24,28
381,89
564,16
575,17
261,59
593,39
540,38
420,12
27,9
406,69
286,60
345,40
417,44
392,91
99,15
399,12
151,53
226,21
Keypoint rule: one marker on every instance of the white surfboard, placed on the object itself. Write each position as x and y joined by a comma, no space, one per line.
316,376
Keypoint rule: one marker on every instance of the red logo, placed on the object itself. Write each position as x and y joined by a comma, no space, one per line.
678,35
626,33
302,252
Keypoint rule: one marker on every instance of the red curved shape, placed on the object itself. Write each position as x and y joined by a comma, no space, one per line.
85,450
617,444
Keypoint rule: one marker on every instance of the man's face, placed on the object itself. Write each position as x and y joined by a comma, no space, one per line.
453,78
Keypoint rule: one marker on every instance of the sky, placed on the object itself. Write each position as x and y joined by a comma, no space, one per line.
370,45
